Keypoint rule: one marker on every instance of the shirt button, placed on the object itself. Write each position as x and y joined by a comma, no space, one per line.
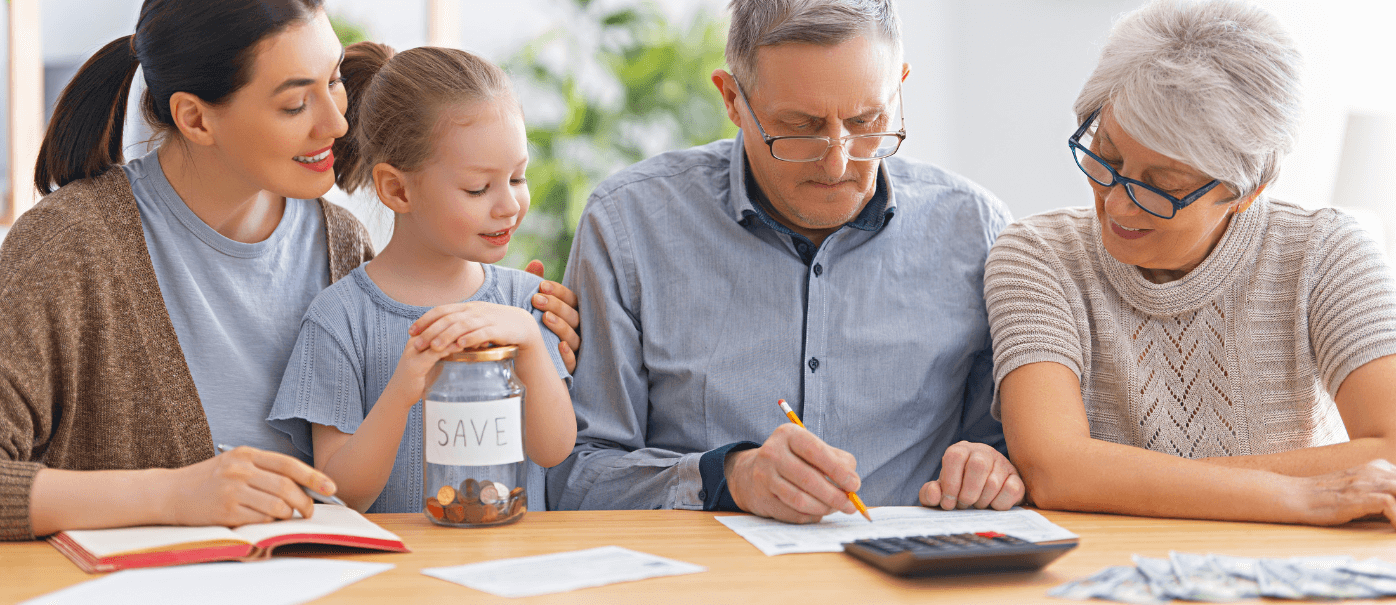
702,495
802,248
818,269
813,364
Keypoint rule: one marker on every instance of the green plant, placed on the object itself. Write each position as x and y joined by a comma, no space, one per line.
666,101
347,31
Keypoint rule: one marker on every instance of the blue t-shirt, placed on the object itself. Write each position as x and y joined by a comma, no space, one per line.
235,306
349,346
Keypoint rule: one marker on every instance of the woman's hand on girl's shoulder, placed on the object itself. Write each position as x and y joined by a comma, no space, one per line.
559,307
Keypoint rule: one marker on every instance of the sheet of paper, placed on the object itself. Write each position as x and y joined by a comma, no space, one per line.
778,538
561,572
279,581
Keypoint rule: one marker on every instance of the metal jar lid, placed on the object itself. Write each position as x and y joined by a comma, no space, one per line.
489,353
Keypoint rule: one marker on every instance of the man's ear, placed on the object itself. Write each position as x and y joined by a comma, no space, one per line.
727,86
192,117
1251,199
906,71
391,186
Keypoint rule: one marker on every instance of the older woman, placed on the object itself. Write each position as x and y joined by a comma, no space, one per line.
1189,347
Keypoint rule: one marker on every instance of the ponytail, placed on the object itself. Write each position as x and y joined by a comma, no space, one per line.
84,137
396,102
362,61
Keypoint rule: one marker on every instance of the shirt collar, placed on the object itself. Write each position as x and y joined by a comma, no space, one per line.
747,201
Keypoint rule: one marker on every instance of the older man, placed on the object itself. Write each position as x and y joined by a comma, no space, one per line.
797,262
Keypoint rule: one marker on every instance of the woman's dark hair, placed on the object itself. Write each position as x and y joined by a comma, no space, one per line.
201,47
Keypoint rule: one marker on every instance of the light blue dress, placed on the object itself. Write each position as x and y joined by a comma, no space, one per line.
349,345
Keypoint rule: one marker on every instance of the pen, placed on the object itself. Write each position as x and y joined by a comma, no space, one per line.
853,496
314,495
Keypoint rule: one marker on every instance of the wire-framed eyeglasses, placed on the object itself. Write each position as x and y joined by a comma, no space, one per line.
1149,198
858,147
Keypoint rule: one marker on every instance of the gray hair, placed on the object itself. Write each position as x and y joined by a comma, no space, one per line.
757,23
1211,83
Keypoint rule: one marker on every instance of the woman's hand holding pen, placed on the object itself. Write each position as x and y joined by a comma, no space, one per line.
794,477
974,475
244,485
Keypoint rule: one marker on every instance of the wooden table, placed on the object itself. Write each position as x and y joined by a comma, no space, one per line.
737,572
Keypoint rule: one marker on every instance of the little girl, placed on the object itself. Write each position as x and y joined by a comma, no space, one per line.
439,135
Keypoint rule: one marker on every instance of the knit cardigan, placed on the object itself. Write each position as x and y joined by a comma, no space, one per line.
92,376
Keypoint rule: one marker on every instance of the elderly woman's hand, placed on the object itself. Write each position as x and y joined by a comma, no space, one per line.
559,307
1362,491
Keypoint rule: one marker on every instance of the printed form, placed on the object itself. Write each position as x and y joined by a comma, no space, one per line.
779,538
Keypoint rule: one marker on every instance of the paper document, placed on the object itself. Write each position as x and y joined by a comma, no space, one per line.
561,572
281,581
778,538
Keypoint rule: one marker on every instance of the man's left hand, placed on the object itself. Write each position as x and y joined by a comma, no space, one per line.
974,474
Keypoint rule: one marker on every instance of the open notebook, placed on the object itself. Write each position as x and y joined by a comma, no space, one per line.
101,550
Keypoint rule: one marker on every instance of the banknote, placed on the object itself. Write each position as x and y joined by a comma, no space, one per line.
1224,578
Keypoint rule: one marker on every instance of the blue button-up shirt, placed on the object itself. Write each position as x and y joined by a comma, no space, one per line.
699,313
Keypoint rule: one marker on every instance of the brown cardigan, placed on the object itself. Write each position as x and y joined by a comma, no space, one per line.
91,372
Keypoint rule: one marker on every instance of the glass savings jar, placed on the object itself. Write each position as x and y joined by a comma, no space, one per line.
474,471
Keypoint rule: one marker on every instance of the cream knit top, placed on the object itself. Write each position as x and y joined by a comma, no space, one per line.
1241,356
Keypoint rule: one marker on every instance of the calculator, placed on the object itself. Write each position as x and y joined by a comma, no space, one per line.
956,553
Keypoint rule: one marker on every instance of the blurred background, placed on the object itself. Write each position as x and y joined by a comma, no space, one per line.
606,83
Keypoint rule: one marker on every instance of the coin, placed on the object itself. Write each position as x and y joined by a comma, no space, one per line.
469,490
446,495
435,509
492,492
455,513
474,512
491,515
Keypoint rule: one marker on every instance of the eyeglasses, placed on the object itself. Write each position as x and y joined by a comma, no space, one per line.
870,146
1148,197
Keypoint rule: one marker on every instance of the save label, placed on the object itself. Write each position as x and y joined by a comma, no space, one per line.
473,433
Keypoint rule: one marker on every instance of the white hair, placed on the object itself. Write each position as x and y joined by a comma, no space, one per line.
1211,83
758,23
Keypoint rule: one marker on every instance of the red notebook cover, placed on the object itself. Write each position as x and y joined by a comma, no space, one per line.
130,548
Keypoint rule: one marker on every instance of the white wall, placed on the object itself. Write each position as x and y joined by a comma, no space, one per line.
992,80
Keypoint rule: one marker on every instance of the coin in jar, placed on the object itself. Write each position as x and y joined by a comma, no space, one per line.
492,492
469,490
435,509
474,512
446,495
455,513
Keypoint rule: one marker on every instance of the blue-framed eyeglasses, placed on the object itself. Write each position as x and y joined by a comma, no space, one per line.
1148,197
857,147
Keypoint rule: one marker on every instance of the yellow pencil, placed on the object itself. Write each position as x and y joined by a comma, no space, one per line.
853,496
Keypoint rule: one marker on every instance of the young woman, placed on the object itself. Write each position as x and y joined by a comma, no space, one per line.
149,311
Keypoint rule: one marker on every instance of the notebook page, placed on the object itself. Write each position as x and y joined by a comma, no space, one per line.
104,543
328,519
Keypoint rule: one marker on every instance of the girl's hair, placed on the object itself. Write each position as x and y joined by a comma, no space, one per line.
196,46
396,101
